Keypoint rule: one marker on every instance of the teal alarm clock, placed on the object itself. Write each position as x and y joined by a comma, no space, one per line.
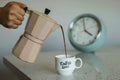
86,33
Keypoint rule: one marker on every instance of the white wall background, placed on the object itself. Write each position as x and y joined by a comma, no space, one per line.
63,11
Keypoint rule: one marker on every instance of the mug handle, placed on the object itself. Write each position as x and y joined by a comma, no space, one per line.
81,63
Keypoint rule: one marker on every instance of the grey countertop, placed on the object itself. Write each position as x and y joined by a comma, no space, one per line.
104,64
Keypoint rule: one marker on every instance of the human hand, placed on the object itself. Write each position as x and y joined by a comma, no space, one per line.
12,14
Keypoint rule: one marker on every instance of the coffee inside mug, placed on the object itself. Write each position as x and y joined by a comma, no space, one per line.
64,56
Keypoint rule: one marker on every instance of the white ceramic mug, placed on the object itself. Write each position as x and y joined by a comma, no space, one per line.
66,66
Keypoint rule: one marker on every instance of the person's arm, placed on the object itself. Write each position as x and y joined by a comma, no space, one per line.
12,14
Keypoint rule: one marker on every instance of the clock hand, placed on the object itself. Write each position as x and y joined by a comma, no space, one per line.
84,26
88,32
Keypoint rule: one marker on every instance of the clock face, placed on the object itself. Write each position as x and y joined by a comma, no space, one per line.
84,30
